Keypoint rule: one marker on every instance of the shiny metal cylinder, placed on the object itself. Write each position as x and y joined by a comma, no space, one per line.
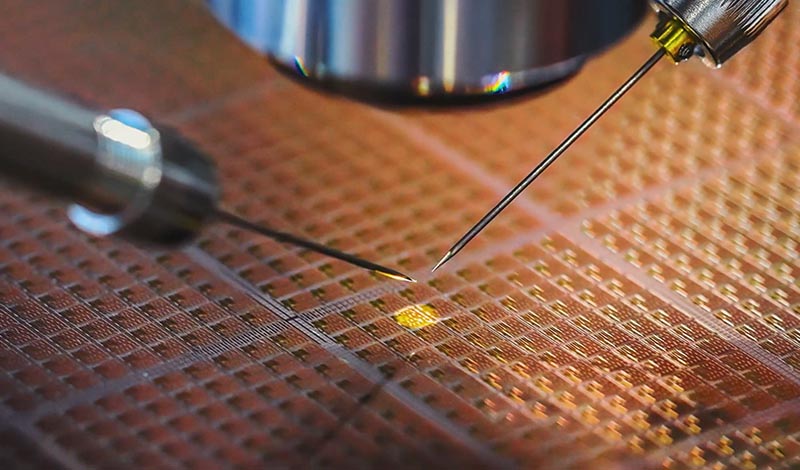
723,27
124,176
62,133
431,47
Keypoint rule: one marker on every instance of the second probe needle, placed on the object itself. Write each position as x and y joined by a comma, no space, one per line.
283,237
476,229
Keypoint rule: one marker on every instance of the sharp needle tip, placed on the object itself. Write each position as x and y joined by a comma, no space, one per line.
398,276
441,262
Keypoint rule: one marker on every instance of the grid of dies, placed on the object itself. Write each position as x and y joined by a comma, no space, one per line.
530,342
317,174
86,311
156,58
768,69
767,443
82,311
551,339
662,131
277,401
729,245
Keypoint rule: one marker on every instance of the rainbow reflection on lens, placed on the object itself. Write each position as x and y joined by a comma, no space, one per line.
497,83
300,66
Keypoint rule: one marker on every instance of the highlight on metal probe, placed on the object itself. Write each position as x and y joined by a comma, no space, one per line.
714,30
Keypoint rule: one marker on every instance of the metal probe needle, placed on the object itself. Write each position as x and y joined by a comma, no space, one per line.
476,229
282,237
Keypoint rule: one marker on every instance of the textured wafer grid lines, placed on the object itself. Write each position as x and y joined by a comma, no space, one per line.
614,363
101,335
731,249
247,407
310,184
117,310
636,321
688,121
102,54
762,70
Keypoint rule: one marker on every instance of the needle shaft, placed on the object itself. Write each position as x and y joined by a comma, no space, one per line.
283,237
544,164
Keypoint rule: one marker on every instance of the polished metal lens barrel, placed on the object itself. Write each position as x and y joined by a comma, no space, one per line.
123,176
722,27
430,48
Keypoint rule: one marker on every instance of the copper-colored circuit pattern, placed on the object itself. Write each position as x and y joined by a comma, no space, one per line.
638,306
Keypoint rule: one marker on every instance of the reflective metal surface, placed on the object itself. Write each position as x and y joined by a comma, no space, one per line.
432,47
723,27
123,175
